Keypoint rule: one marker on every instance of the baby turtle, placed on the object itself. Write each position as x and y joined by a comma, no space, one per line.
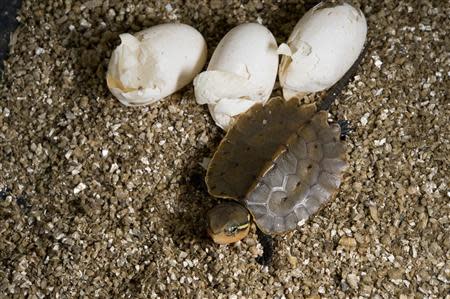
281,162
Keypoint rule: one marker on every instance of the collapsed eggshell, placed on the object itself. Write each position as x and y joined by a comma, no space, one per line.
323,45
242,72
155,63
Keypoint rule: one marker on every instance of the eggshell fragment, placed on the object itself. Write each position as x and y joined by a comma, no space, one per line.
242,72
155,63
323,45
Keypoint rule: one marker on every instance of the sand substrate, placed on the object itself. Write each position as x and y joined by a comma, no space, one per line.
101,200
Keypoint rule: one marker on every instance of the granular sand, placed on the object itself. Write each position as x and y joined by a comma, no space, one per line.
102,200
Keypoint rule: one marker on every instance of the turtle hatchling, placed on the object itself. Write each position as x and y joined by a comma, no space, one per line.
278,164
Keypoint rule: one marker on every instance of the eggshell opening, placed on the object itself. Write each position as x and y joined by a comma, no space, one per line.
129,78
226,100
210,87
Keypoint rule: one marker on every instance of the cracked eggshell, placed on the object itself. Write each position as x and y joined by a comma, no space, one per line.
155,63
242,72
323,45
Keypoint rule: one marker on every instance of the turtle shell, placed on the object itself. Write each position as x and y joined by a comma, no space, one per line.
302,178
283,160
251,143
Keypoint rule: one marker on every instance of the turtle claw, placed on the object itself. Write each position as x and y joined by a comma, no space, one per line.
266,242
345,128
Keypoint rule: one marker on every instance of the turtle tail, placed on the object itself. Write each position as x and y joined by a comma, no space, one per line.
337,88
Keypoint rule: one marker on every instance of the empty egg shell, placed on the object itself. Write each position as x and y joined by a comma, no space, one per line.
323,45
155,63
242,72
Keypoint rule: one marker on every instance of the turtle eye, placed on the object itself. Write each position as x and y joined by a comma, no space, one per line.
232,229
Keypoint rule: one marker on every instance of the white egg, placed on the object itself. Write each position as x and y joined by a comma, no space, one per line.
155,63
242,72
323,45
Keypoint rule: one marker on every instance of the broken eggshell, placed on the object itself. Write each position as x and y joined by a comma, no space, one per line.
155,63
323,45
242,72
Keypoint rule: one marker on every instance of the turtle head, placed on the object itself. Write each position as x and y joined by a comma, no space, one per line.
228,222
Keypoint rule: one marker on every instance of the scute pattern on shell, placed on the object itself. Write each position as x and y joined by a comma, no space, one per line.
252,143
304,176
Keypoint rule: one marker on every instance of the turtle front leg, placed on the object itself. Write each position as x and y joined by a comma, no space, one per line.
345,128
266,242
